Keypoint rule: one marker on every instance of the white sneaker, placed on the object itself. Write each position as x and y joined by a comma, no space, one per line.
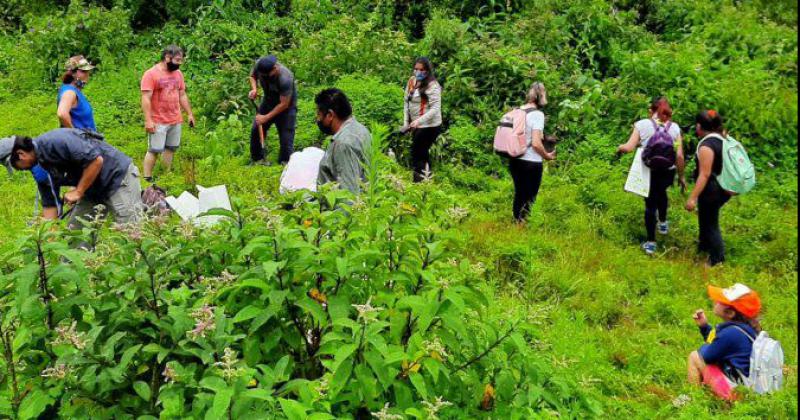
649,248
663,228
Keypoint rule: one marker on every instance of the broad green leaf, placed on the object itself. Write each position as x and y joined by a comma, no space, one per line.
219,408
214,383
419,384
340,378
142,389
258,394
34,404
127,356
293,409
248,312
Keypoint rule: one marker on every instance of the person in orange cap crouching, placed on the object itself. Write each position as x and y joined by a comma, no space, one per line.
723,362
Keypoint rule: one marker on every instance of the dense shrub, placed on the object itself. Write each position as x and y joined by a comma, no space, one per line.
345,315
345,46
101,35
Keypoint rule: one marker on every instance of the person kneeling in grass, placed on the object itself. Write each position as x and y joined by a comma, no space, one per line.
99,173
723,362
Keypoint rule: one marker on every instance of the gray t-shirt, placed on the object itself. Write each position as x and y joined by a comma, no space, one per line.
274,89
346,156
65,152
6,144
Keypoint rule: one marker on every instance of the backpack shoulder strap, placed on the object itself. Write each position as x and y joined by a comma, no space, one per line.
745,333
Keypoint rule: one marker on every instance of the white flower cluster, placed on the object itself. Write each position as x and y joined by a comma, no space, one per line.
367,312
59,371
204,322
436,346
228,363
433,408
170,375
70,335
457,214
384,414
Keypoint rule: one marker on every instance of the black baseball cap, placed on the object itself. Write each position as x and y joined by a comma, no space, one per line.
266,64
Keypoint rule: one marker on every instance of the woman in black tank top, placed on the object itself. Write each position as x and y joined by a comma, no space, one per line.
707,196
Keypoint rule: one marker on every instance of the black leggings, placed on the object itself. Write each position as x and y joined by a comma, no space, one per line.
422,141
657,203
709,204
527,178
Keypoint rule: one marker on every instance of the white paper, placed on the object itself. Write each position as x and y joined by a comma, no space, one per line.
639,176
302,170
210,199
190,208
186,205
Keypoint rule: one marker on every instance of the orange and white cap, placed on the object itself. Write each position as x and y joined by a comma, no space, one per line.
739,297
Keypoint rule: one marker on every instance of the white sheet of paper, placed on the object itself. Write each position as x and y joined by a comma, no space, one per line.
639,176
190,208
210,199
186,205
302,170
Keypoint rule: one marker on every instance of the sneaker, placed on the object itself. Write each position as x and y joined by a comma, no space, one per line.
649,248
663,228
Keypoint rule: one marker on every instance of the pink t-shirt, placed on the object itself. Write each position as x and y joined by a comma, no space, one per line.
165,106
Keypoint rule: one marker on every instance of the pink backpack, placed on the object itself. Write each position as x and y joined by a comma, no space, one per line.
510,139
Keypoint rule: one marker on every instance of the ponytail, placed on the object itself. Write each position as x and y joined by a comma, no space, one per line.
68,77
660,106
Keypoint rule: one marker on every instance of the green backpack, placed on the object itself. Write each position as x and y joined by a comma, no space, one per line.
738,174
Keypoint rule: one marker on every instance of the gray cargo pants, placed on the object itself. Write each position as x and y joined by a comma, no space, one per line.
125,203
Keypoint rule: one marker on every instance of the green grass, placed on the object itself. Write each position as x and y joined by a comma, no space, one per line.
613,319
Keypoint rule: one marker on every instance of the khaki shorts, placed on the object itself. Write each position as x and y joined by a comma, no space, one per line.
167,136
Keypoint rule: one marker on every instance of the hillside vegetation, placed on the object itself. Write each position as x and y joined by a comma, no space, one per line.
416,300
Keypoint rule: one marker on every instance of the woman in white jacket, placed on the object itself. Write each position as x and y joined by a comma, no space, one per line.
422,115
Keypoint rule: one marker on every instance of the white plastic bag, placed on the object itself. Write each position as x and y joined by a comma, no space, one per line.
302,170
639,176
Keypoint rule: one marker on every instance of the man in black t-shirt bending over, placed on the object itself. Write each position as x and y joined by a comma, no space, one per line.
278,107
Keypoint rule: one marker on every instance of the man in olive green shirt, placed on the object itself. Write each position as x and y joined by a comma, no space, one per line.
348,152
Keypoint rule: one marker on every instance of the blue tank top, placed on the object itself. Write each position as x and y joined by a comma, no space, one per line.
82,115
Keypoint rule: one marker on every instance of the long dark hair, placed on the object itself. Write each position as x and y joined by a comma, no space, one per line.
430,78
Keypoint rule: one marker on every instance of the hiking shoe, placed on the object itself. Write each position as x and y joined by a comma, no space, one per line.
262,162
649,248
663,228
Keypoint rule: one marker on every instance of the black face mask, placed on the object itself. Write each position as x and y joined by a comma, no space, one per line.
172,66
79,83
328,131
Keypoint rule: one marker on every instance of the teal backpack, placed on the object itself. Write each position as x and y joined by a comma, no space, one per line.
738,174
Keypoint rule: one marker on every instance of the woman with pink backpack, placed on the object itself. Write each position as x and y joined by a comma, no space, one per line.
663,153
527,168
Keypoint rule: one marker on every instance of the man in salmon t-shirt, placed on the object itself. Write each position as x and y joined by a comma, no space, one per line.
163,96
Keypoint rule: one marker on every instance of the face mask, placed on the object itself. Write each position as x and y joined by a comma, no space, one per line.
328,131
79,83
421,75
172,66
